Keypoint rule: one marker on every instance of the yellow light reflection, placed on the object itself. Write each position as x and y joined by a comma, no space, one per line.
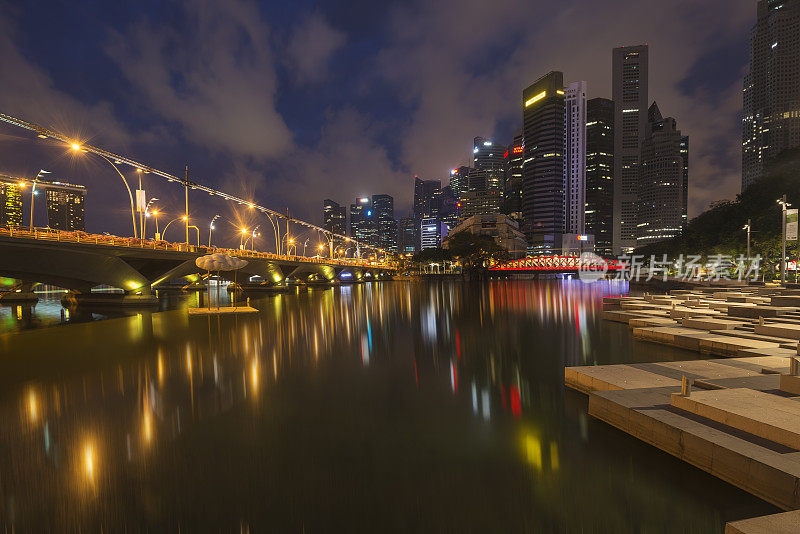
88,458
33,411
554,464
147,425
160,368
254,376
533,450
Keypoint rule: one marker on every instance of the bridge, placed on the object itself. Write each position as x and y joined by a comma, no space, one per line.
557,265
79,262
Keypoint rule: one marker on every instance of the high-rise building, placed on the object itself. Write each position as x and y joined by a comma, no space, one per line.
512,195
459,181
629,91
488,157
771,96
575,157
450,207
427,200
543,163
663,175
386,225
65,206
363,227
600,173
480,203
432,231
10,202
406,240
334,216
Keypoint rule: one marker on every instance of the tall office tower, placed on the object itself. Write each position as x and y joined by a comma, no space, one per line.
386,226
406,242
450,207
432,231
543,164
363,227
512,195
600,173
488,156
335,217
629,90
480,203
685,156
662,177
575,157
458,181
65,206
427,199
771,96
10,202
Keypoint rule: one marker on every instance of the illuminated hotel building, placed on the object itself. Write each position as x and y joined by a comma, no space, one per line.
663,180
771,92
10,202
543,210
629,92
65,206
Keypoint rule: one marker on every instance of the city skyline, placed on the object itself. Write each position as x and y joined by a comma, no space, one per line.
347,146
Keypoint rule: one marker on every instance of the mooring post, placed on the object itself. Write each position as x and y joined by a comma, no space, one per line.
686,387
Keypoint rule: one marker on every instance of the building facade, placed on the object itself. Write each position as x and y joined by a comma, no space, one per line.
599,218
406,235
500,227
488,158
629,93
65,206
771,92
334,217
575,157
427,199
386,225
10,202
432,231
480,202
663,179
363,227
543,119
512,195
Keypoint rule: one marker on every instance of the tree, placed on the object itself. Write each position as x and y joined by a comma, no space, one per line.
473,250
432,255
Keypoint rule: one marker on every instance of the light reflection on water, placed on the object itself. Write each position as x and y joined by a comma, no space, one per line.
391,406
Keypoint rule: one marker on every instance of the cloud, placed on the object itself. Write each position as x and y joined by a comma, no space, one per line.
215,76
312,44
28,92
461,66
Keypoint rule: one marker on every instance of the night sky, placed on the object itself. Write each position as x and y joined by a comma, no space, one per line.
293,102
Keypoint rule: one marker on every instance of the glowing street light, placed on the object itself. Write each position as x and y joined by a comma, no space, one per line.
211,227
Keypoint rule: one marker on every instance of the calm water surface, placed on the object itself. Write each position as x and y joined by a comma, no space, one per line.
378,407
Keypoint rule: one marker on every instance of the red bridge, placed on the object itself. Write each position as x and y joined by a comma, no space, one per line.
558,264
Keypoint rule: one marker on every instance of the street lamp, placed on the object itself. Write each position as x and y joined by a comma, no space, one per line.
241,239
304,247
155,216
211,227
33,191
77,148
747,227
172,221
146,215
784,205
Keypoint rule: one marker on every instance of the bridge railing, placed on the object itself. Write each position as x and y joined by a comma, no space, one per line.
52,234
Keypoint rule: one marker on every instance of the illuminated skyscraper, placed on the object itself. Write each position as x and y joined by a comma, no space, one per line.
335,217
600,173
575,157
663,178
386,225
512,196
10,202
629,88
543,164
363,227
771,96
65,206
488,156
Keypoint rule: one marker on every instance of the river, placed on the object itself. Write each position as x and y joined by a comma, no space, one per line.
392,406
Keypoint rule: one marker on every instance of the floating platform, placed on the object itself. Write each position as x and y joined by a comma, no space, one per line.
785,523
222,310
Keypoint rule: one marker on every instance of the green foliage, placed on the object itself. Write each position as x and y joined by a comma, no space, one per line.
473,249
719,229
432,255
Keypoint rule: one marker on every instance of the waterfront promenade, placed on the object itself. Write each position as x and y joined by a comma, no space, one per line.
735,417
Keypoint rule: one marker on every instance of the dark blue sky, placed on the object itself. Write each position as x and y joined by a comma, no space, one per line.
292,102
